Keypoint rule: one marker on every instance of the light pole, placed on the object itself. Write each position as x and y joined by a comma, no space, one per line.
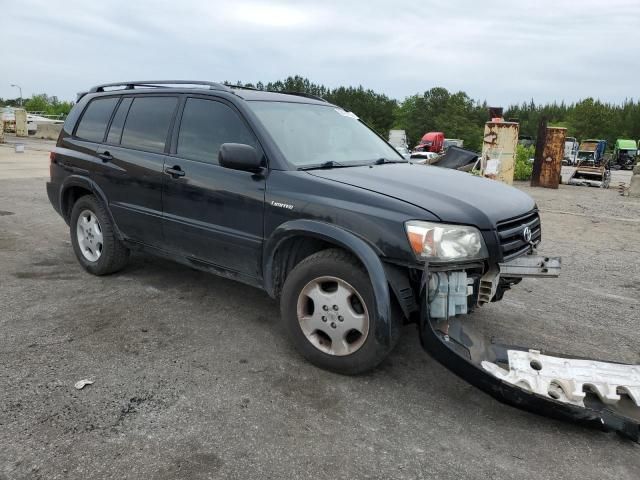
19,88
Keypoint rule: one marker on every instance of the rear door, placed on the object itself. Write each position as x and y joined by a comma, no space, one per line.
213,214
82,146
132,160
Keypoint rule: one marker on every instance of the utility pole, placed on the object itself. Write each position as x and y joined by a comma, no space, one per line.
19,88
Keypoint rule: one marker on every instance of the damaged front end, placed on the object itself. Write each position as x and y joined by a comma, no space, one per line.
601,394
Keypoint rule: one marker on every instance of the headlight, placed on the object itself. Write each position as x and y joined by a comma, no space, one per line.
445,243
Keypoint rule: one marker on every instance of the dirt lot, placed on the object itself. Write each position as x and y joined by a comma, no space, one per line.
194,378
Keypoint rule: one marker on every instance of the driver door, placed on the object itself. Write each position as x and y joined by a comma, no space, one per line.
211,214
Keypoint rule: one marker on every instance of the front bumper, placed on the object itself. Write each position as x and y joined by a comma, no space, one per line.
599,394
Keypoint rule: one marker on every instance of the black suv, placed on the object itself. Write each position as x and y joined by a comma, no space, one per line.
298,197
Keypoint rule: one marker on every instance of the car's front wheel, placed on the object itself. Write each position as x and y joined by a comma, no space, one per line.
327,305
94,240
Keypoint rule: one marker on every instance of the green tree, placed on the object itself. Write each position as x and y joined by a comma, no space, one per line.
457,115
592,119
373,108
48,105
37,103
523,167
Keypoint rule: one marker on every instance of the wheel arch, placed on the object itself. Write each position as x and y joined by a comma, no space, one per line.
320,235
74,187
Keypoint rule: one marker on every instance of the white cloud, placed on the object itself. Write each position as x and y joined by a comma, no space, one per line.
267,14
497,50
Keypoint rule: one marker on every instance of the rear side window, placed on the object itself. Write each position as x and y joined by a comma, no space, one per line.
148,123
205,126
115,132
93,123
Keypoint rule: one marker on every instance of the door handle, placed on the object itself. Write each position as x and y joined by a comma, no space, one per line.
105,156
174,171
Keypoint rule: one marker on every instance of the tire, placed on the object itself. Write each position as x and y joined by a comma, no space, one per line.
95,243
344,338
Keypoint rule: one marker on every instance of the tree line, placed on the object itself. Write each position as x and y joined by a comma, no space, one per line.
437,109
459,116
49,105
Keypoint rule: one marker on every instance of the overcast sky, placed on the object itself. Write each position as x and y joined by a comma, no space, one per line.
502,51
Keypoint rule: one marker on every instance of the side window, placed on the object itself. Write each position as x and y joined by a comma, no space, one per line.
205,126
93,123
148,123
115,132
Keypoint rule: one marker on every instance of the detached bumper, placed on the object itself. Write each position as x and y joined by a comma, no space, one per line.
531,266
598,394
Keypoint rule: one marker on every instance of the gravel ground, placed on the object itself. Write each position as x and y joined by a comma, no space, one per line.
195,379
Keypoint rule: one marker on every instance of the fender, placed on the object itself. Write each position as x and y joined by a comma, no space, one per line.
365,252
84,182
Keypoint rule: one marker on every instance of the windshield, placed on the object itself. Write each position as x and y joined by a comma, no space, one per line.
588,146
309,134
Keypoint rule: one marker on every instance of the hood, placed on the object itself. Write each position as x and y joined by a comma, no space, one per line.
450,195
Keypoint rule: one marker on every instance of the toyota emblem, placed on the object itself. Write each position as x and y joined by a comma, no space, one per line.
526,234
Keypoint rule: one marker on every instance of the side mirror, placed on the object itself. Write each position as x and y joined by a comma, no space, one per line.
238,156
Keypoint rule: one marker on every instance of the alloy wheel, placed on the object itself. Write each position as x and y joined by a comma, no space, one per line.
333,316
89,233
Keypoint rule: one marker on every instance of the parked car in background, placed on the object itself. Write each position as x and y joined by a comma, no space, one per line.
571,146
591,151
431,142
404,151
592,167
398,138
453,142
624,154
526,140
423,157
8,118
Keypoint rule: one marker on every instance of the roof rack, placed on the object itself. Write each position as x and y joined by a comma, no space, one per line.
243,87
157,84
307,95
285,92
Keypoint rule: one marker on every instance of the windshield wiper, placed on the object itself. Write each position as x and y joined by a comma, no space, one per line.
334,164
382,161
329,164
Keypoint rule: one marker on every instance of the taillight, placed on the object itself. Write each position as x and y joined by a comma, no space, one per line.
52,161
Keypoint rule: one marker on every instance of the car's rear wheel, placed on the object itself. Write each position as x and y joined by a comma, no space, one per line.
89,236
327,305
94,239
